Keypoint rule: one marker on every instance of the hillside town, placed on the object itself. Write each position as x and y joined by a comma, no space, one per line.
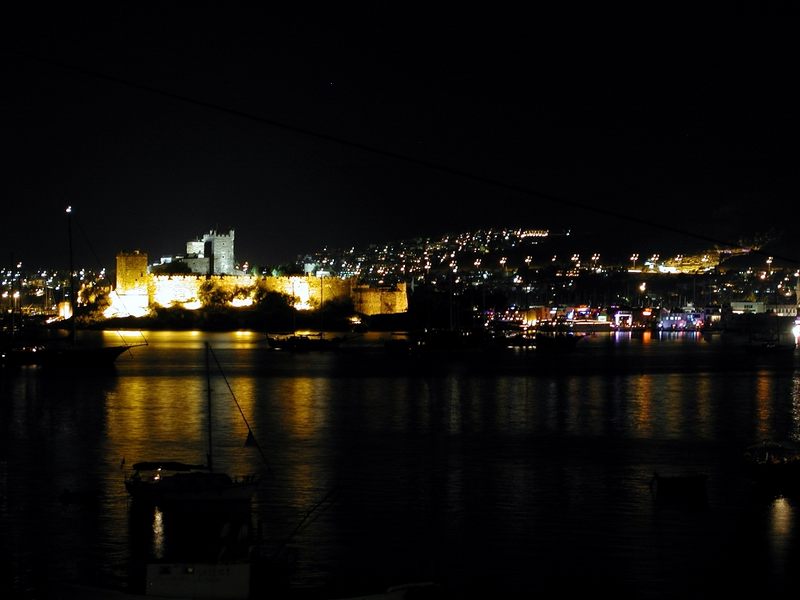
488,277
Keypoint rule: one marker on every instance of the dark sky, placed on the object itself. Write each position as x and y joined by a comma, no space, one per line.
159,122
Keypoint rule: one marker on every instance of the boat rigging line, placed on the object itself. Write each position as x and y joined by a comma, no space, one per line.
251,438
314,511
70,221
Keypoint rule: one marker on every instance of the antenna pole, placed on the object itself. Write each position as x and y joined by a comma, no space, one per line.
72,301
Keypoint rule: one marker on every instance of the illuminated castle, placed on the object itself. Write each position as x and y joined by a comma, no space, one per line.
138,290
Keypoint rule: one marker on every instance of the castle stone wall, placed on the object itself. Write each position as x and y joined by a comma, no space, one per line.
380,301
310,292
307,292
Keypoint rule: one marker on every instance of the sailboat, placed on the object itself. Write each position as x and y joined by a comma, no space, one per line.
165,482
66,353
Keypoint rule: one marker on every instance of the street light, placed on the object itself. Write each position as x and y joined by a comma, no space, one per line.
634,258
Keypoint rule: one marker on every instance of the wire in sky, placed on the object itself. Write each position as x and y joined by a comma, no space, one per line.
395,155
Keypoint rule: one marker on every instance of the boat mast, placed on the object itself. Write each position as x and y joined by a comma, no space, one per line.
208,420
73,304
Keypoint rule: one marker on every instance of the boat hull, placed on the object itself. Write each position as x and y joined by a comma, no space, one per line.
304,343
774,466
64,357
185,489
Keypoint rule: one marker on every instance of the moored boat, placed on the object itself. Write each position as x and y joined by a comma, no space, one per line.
303,342
69,353
774,464
169,482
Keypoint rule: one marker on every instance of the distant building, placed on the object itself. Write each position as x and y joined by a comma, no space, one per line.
689,318
748,307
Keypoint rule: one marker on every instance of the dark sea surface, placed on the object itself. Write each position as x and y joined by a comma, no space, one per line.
505,476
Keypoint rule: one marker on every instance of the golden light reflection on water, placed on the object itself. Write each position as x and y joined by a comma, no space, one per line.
243,391
642,414
149,411
584,402
157,407
781,523
765,396
455,420
781,517
702,407
231,425
305,404
112,338
672,410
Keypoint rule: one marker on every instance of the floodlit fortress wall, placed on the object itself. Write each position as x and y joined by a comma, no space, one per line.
137,287
212,278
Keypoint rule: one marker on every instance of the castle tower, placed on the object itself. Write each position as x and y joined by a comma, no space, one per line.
131,294
132,273
212,254
219,248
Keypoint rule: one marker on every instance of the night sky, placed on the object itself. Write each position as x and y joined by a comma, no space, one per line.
159,123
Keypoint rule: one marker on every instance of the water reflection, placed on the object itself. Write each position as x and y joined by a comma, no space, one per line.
781,522
765,399
304,402
641,411
466,478
781,518
795,400
190,532
703,396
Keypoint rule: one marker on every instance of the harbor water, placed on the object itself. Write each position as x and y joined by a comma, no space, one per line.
504,477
